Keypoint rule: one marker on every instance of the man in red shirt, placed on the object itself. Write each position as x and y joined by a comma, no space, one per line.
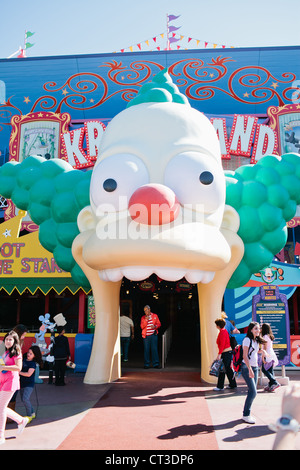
225,353
150,324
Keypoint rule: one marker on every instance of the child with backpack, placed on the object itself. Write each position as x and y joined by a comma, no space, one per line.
250,367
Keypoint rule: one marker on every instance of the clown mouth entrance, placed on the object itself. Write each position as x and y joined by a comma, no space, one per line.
176,304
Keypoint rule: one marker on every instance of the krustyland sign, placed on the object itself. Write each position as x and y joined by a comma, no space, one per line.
36,134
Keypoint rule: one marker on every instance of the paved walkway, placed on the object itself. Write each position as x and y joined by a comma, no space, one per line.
146,410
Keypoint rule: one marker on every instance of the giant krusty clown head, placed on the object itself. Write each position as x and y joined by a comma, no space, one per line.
157,201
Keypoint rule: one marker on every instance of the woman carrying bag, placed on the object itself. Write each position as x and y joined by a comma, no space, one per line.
225,353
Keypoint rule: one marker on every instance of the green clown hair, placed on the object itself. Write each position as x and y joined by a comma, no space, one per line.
265,196
53,193
160,90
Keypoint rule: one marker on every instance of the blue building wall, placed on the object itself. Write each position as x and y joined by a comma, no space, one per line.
217,82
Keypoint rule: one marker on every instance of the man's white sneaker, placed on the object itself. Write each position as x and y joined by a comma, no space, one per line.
249,419
216,389
22,425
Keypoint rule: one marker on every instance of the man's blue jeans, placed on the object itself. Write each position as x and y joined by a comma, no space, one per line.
125,342
251,384
150,346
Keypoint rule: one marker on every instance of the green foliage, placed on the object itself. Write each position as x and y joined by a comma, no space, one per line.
53,193
265,196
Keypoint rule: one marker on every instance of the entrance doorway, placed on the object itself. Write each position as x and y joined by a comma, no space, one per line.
176,304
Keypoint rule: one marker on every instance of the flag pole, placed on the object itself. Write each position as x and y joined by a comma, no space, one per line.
168,42
25,43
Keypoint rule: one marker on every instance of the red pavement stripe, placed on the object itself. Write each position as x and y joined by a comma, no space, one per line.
147,411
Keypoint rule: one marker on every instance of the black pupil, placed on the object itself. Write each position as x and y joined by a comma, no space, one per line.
109,185
206,177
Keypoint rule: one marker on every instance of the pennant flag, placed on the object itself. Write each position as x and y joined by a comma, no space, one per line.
28,34
154,39
162,35
139,46
147,42
189,40
215,45
173,28
174,39
197,41
173,17
28,44
205,44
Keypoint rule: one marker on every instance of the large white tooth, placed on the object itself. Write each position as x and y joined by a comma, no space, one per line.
193,277
103,276
170,274
207,277
137,273
112,275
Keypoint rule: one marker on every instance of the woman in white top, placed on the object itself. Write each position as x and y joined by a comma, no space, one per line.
271,358
250,366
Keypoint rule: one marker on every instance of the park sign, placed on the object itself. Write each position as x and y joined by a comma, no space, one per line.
50,135
270,306
24,256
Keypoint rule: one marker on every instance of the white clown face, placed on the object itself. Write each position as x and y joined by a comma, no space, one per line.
157,197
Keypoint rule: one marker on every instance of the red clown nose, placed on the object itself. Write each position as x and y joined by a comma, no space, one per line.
153,204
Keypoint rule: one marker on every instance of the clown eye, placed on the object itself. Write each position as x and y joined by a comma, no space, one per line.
197,179
114,180
110,185
206,177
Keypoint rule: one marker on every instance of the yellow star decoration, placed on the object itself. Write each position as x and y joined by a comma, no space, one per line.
274,85
65,92
246,95
26,99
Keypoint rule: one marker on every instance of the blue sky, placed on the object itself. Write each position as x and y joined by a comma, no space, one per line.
64,27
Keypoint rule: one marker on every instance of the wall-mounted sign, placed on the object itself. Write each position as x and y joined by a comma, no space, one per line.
23,257
147,286
183,286
285,121
37,134
73,144
247,138
91,317
270,306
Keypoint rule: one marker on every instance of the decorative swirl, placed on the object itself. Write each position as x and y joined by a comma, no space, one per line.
43,102
133,74
253,79
199,80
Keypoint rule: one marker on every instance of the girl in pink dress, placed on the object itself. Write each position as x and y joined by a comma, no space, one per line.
10,366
